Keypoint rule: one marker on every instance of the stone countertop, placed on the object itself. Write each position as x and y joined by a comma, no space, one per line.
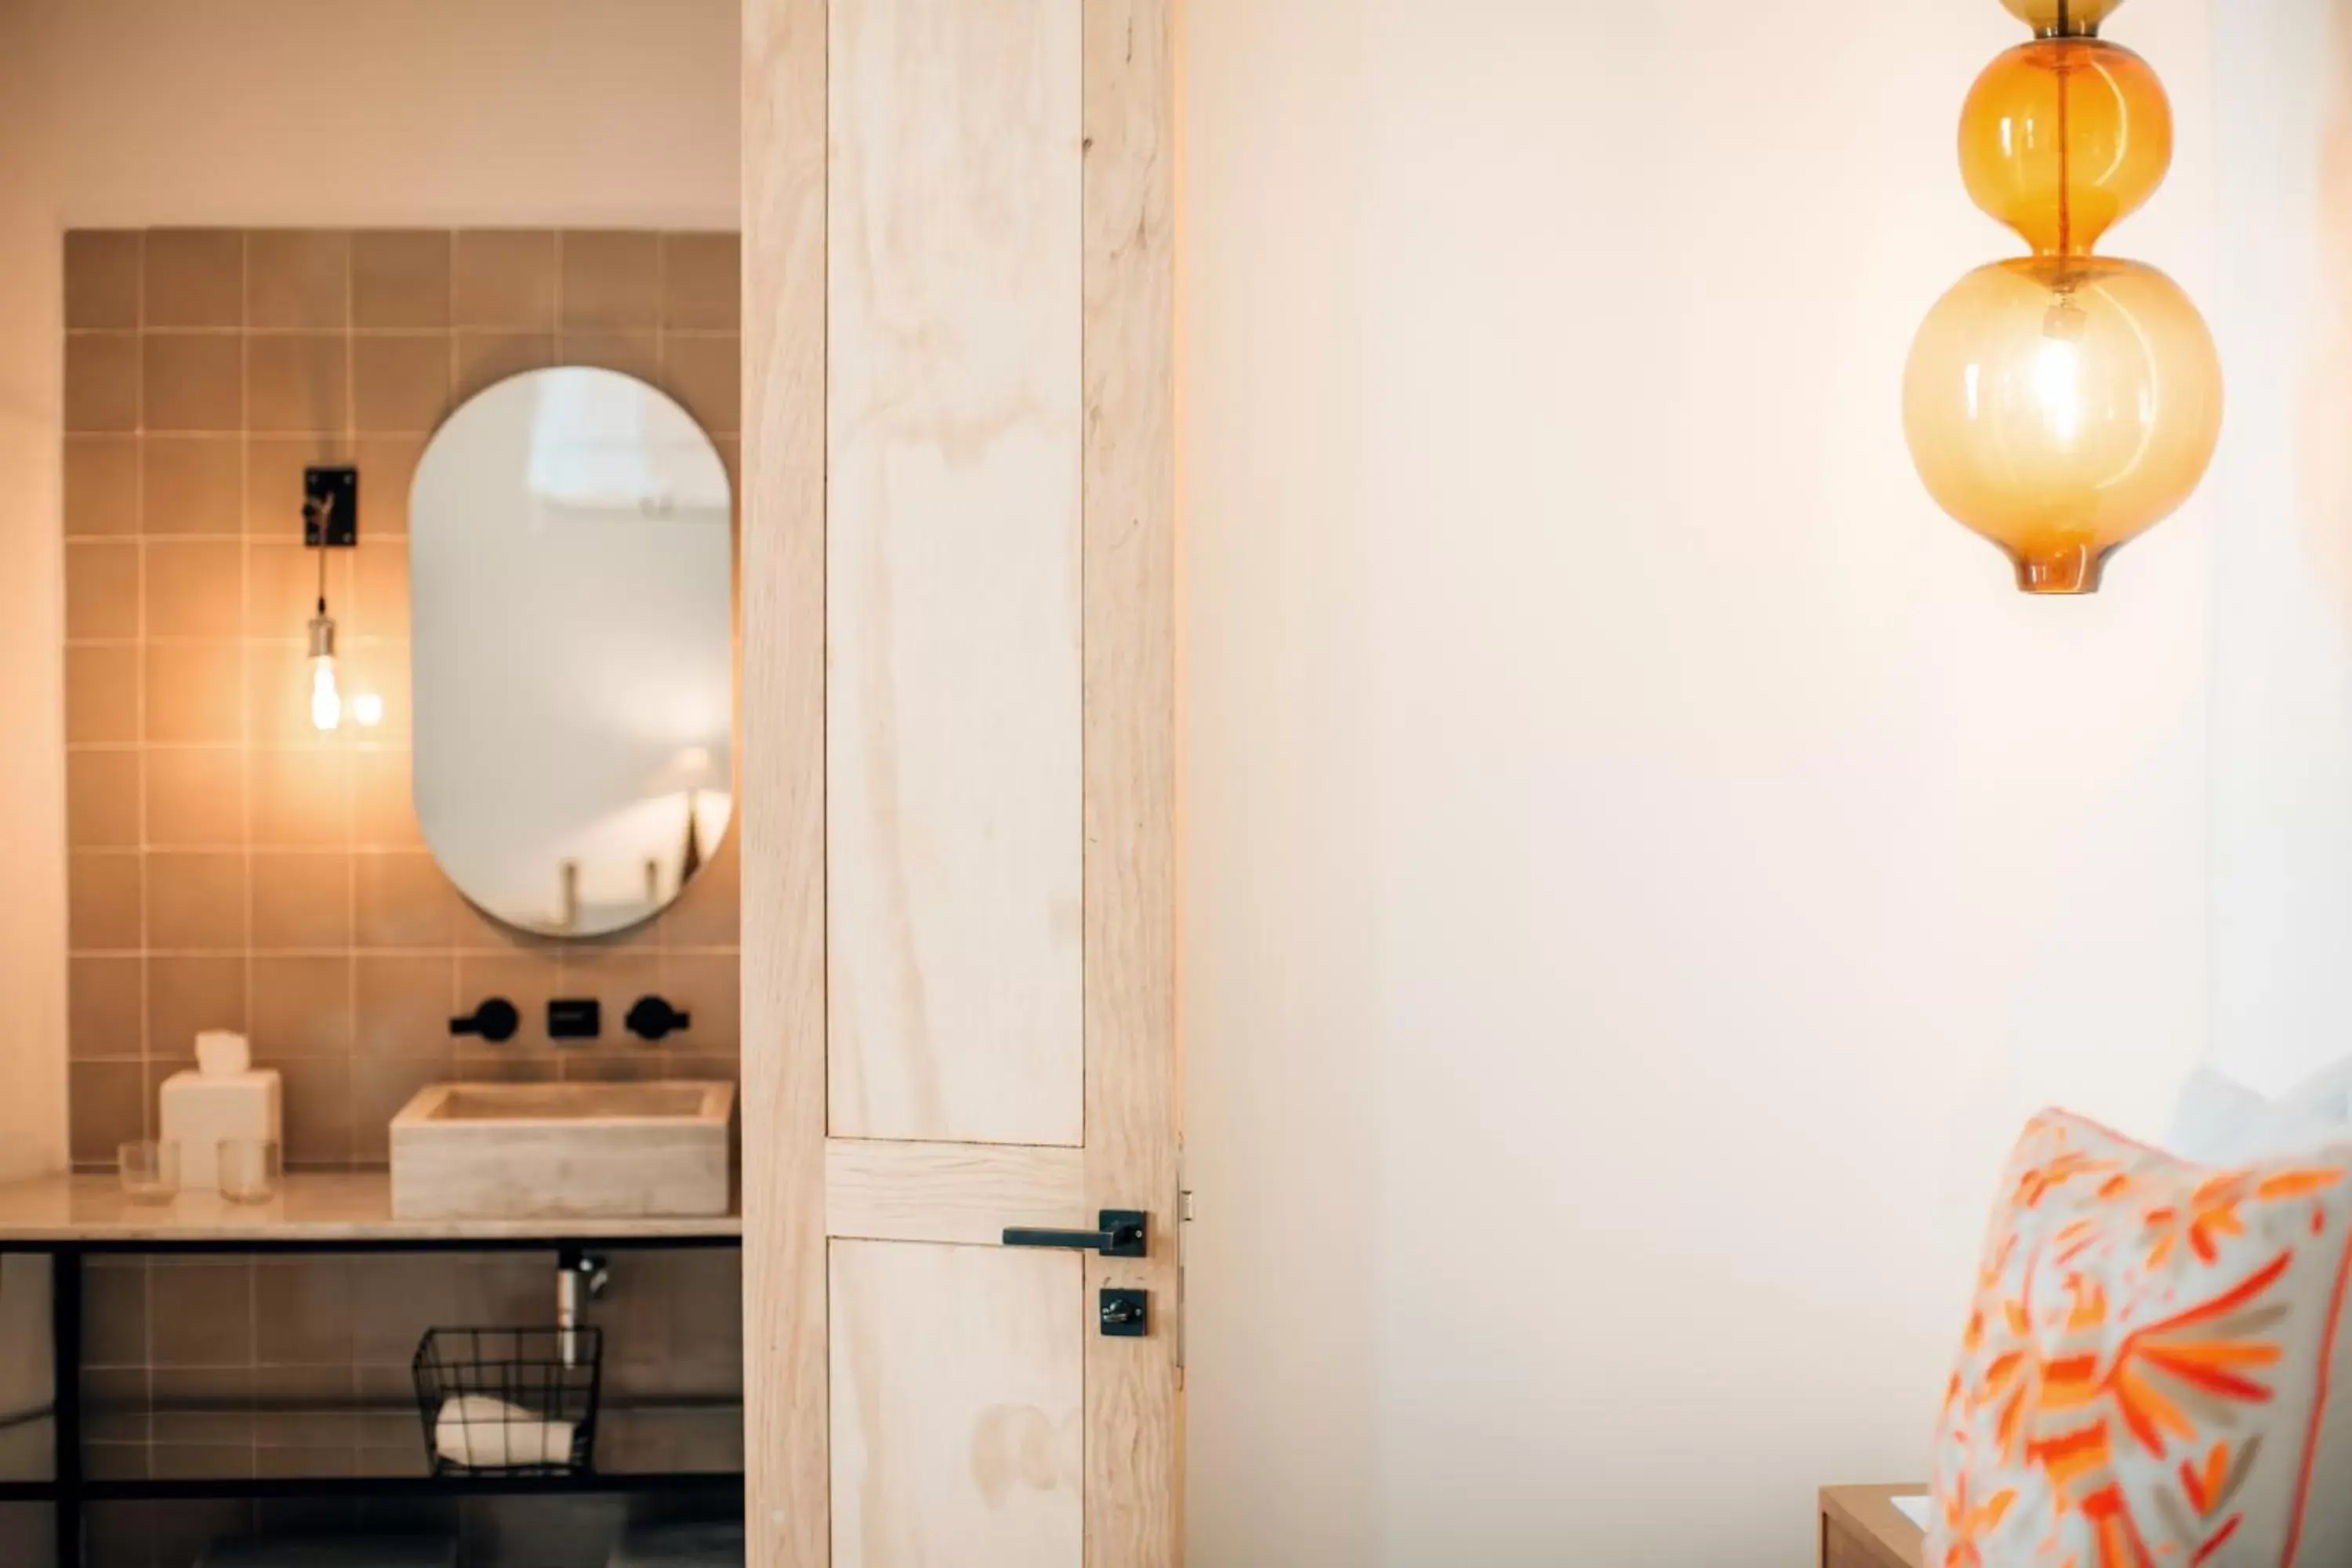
310,1209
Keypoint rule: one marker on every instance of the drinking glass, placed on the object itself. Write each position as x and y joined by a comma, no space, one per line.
249,1169
150,1171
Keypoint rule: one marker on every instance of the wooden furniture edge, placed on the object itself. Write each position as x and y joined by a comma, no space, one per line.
1868,1514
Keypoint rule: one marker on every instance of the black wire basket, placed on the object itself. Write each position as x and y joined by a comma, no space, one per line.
509,1402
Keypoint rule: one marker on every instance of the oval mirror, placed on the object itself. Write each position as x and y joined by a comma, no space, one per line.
570,579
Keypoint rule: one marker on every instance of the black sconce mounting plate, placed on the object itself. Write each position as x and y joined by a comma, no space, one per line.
331,508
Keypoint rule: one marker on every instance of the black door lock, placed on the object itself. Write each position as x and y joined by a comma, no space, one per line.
1125,1233
1126,1314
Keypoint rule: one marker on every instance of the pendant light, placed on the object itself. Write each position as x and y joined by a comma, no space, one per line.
2064,403
329,522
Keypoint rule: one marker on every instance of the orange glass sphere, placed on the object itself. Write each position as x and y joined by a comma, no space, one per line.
2062,18
2064,137
2061,407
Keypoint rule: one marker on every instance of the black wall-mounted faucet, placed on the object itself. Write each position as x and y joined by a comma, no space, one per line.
495,1020
652,1018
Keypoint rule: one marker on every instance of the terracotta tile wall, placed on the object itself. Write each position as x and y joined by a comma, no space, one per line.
229,866
236,1367
232,867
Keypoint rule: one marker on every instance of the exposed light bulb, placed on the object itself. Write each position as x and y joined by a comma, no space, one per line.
326,698
326,702
2058,387
367,709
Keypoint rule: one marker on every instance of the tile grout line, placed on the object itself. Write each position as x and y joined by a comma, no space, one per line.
246,716
350,861
146,963
414,333
453,978
138,526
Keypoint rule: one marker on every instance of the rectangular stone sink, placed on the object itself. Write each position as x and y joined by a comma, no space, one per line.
562,1150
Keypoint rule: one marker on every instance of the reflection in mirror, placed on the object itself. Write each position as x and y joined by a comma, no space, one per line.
570,562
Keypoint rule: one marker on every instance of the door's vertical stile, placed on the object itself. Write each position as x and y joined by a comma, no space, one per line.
1132,1418
787,1485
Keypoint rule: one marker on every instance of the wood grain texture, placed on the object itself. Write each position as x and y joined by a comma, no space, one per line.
964,1193
953,563
958,1397
787,1489
1134,1452
1861,1528
988,307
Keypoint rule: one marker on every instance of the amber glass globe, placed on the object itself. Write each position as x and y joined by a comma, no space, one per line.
2060,406
2063,403
2062,138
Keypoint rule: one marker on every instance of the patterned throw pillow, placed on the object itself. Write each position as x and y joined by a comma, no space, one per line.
2156,1374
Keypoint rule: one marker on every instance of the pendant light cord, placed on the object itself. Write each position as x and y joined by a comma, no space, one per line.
322,578
2065,145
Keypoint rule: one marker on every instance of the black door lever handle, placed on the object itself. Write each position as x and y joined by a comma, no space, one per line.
1125,1233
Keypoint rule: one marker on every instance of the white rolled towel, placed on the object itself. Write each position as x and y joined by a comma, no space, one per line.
482,1433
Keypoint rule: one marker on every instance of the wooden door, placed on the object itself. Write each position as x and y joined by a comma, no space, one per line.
959,780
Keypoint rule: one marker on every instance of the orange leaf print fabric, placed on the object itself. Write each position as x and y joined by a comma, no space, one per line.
2149,1374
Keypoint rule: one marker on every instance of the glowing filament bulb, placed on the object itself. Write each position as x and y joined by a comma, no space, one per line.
2057,386
326,699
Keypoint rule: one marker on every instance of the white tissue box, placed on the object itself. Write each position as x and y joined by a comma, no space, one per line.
199,1112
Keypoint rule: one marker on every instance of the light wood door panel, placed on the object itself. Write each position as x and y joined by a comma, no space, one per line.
957,1393
953,572
959,780
967,1192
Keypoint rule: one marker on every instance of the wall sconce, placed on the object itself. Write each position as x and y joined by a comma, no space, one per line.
331,520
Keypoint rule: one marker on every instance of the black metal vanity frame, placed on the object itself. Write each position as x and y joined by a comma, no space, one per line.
69,1490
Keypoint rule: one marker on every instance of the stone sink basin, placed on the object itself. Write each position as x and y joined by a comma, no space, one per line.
562,1150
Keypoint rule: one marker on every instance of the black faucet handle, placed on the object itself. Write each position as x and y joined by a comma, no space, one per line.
653,1017
495,1020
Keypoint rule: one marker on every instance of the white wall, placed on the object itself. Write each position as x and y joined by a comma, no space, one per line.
256,112
427,113
2282,570
1642,862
